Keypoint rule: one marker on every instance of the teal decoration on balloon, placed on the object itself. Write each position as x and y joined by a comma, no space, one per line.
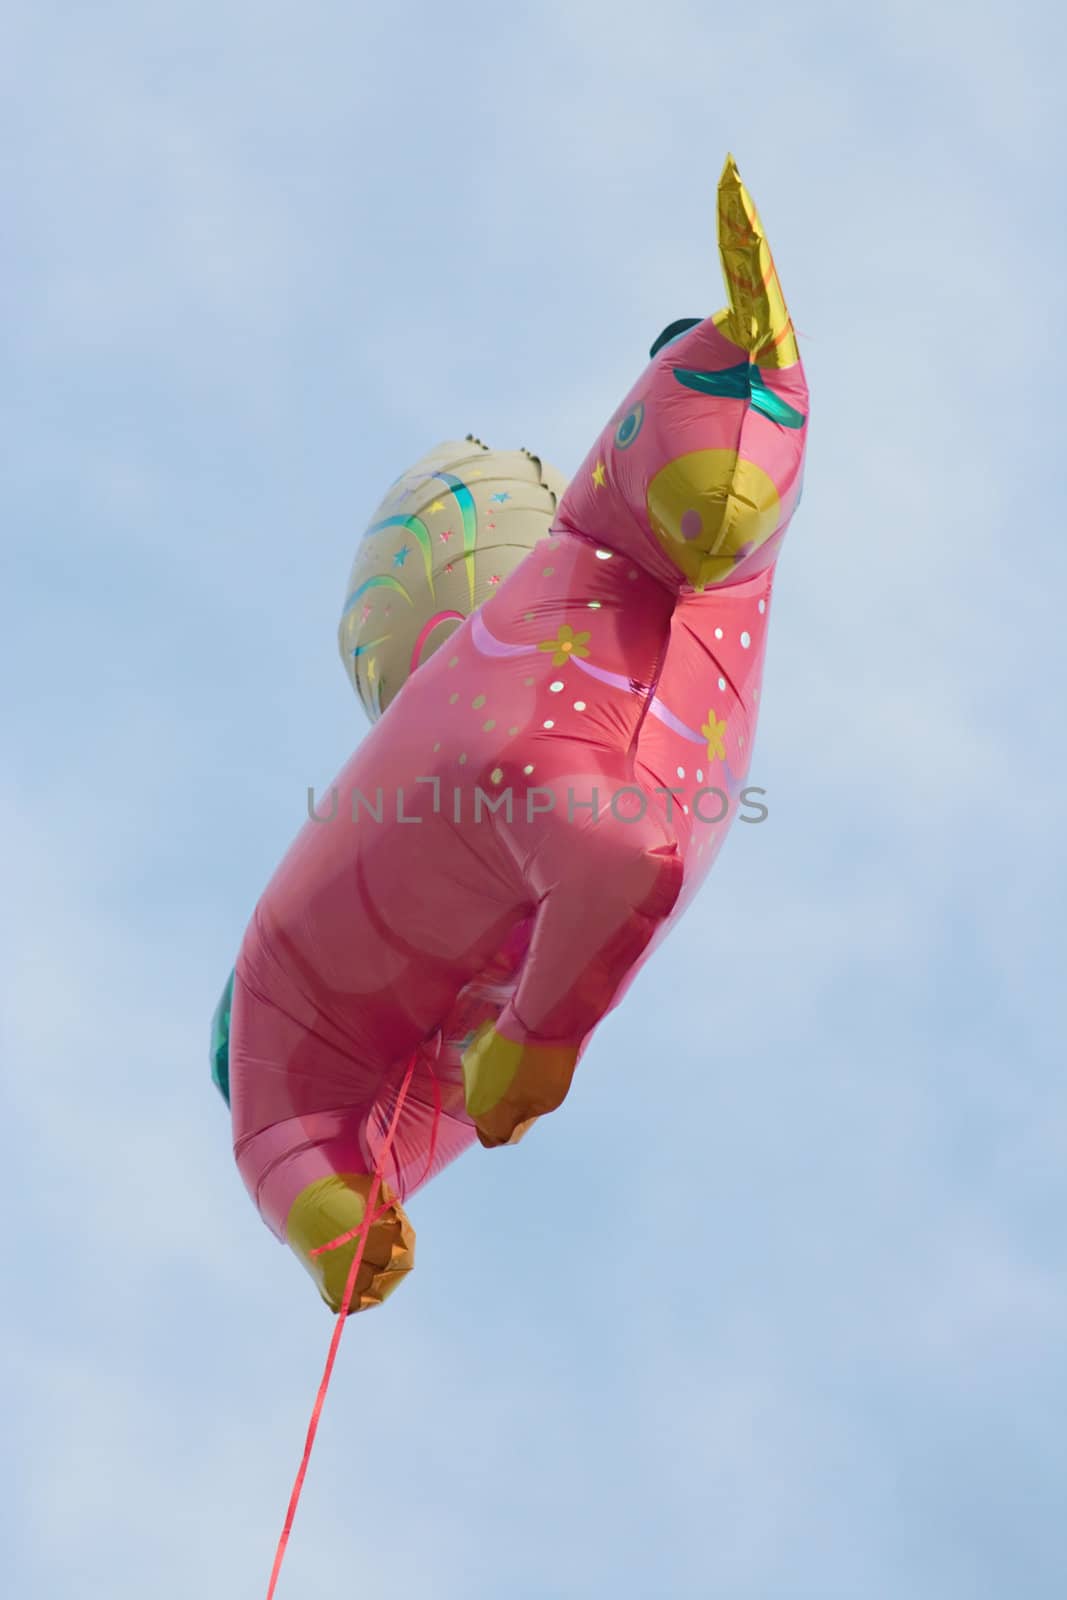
220,1041
743,382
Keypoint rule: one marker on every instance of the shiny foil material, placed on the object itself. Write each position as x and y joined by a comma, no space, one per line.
543,792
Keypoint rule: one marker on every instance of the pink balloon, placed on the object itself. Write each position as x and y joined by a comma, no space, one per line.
546,793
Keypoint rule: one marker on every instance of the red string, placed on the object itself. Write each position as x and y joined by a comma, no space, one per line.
437,1108
370,1216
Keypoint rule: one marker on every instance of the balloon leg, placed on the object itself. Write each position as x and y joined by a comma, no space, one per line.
589,936
335,1206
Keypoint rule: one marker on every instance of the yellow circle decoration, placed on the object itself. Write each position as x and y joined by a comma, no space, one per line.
709,510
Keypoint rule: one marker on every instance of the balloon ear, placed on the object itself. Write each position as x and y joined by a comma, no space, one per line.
673,331
757,319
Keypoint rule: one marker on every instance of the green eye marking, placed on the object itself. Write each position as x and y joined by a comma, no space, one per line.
743,382
629,427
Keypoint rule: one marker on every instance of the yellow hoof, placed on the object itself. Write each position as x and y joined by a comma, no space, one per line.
509,1085
331,1207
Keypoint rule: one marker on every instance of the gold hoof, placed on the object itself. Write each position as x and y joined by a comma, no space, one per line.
509,1085
331,1207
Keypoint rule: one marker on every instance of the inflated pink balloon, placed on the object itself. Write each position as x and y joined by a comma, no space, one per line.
529,816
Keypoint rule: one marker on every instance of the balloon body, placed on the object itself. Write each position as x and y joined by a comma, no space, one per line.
545,794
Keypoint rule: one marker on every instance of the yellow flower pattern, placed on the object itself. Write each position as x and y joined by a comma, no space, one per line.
715,733
566,643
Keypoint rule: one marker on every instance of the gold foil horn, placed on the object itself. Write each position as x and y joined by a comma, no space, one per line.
757,318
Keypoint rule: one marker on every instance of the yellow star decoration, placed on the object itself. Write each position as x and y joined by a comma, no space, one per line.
598,475
715,733
438,505
566,643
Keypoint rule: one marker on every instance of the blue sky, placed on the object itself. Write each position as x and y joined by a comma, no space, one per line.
808,1340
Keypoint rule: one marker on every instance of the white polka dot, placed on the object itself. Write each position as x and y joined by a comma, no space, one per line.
685,808
718,633
681,772
548,724
603,555
528,770
762,607
594,605
496,774
555,688
745,641
722,683
579,705
700,776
